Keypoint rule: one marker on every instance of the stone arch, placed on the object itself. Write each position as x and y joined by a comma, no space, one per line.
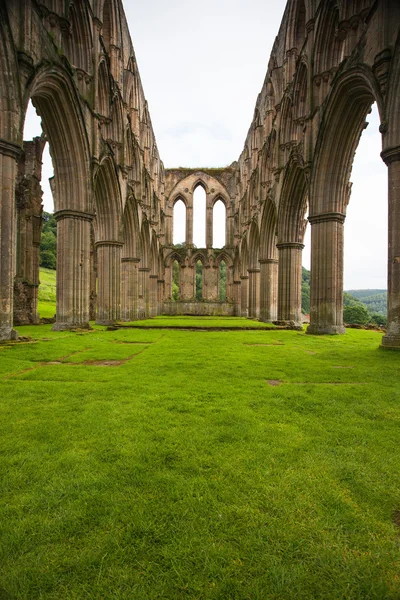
10,129
291,227
131,228
108,202
296,32
109,20
268,263
328,47
130,260
103,90
54,97
108,239
343,122
300,100
199,182
173,256
80,40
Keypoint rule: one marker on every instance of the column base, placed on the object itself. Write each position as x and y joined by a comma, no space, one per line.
70,326
289,324
7,334
326,329
391,342
108,322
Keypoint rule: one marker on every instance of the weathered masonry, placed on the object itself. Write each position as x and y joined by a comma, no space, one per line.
114,200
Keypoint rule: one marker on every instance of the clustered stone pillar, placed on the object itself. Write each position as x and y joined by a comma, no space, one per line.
237,297
187,281
268,289
9,153
326,290
244,287
289,282
73,269
254,293
209,224
109,282
28,195
129,288
189,226
391,156
153,295
143,292
210,282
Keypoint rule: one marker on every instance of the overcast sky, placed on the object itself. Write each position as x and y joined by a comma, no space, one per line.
202,66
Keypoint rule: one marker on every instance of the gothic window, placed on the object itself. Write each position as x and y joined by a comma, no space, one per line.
199,217
219,224
179,223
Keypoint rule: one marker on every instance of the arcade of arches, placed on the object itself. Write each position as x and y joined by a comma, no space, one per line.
114,201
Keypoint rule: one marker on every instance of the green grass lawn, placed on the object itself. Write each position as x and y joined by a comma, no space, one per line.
47,293
141,464
201,322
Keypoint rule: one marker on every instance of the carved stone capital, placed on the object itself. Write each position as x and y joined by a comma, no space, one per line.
293,245
331,216
255,270
130,259
391,155
268,261
110,243
10,148
73,214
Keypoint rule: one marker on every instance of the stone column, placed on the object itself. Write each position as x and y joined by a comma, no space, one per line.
153,295
209,225
9,153
326,289
189,226
187,281
160,295
73,269
268,290
254,293
244,288
391,156
210,283
143,292
28,197
289,282
93,278
129,288
237,298
109,278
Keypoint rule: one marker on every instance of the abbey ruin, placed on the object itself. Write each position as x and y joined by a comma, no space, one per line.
114,201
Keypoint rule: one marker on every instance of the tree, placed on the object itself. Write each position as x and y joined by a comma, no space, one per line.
305,291
199,280
378,319
175,281
356,314
48,242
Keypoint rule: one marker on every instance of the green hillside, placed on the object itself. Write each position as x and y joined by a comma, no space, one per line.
374,301
47,293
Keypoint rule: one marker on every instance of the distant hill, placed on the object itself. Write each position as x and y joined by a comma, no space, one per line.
375,301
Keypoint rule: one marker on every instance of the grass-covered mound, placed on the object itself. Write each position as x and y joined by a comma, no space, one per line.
177,464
